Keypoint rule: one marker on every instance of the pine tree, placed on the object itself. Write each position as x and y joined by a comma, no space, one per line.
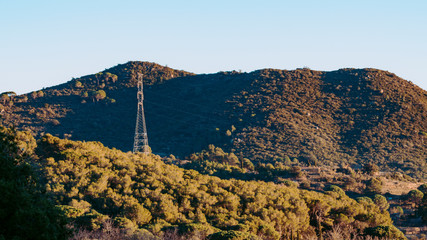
25,211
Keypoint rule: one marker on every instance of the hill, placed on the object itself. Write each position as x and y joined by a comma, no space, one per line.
94,186
343,117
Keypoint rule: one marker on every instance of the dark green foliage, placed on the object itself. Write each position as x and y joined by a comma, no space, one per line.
423,188
216,154
335,190
381,202
390,232
98,95
4,98
422,209
78,84
25,210
231,235
216,162
418,199
374,186
370,168
415,196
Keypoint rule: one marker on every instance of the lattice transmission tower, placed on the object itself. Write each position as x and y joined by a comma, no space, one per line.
140,143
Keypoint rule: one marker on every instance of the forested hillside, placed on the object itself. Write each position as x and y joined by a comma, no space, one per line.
348,116
94,186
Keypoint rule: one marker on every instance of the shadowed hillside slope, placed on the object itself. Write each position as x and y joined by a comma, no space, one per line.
349,116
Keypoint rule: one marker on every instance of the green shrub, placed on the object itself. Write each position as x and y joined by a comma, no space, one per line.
390,232
231,235
374,186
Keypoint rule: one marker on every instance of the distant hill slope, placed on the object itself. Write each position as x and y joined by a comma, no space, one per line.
349,116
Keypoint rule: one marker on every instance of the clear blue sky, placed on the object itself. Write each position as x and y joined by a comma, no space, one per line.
45,43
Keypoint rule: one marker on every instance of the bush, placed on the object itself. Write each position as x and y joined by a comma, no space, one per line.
78,84
422,210
335,190
231,235
423,188
370,169
381,202
414,196
390,232
374,186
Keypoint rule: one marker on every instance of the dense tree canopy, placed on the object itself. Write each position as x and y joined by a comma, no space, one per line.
93,183
25,210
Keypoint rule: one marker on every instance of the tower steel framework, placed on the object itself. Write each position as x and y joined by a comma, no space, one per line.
140,143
